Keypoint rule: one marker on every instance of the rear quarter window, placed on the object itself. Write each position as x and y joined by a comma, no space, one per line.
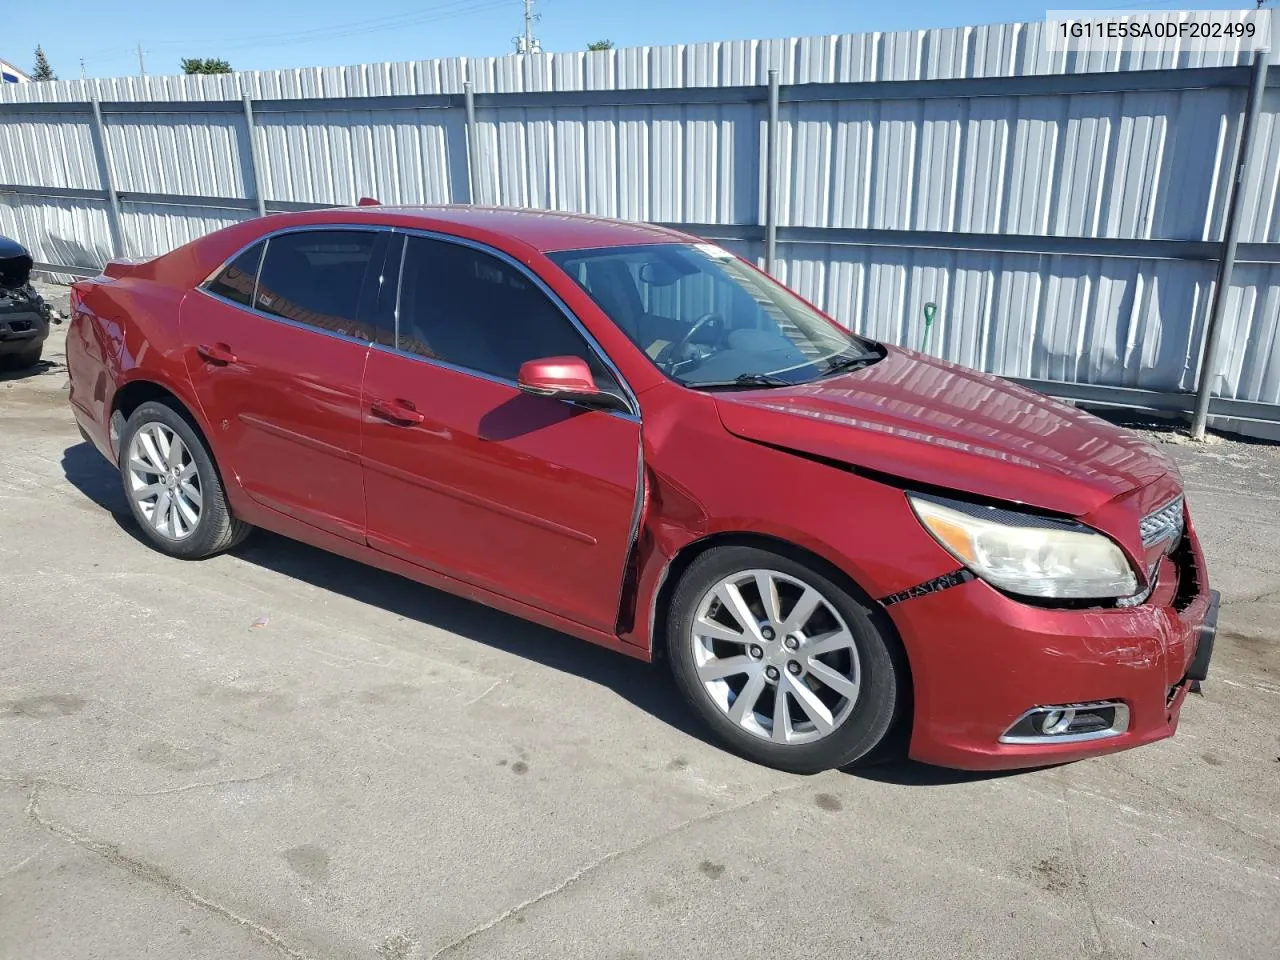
236,281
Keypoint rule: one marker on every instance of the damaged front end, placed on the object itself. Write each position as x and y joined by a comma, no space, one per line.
24,316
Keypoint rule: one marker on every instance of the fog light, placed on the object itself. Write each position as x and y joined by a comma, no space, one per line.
1057,721
1069,723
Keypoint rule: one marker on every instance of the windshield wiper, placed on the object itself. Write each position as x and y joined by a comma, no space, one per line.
743,380
843,362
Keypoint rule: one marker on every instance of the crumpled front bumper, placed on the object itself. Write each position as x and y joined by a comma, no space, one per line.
980,660
24,320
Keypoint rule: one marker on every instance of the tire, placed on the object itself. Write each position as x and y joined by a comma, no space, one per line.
23,359
164,494
29,358
842,647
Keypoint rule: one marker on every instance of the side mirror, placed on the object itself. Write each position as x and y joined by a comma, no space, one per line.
565,378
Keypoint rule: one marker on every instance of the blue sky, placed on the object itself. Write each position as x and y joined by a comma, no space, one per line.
259,34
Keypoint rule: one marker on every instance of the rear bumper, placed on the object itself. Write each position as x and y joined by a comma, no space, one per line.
981,660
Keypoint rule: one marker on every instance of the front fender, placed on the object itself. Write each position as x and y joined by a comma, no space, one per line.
704,484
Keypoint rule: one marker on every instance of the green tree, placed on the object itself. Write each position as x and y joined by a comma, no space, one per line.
42,70
600,45
204,65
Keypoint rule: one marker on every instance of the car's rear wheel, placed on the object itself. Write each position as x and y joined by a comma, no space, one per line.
783,663
173,488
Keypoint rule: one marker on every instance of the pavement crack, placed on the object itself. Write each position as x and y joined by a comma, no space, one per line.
112,853
1201,808
611,857
24,861
1268,596
488,690
184,788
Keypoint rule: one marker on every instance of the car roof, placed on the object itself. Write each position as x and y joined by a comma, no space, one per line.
544,230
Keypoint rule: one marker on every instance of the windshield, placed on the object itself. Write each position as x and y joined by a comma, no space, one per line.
706,319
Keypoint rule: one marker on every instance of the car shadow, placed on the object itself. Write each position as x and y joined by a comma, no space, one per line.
27,373
89,472
904,772
646,686
650,689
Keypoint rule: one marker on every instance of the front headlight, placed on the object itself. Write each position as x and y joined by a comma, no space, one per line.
1025,554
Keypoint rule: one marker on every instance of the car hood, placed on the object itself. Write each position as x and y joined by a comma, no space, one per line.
935,423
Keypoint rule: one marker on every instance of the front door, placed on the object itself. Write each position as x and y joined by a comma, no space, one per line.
277,351
530,497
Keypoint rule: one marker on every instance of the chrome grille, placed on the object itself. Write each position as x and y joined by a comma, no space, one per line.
1164,524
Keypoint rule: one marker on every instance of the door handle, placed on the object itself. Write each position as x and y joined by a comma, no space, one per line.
400,412
218,353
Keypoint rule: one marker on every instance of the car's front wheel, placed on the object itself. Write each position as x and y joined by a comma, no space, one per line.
173,488
782,662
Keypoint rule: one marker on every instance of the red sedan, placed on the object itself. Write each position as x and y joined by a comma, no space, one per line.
639,439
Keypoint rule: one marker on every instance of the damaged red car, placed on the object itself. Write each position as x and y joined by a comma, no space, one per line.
637,438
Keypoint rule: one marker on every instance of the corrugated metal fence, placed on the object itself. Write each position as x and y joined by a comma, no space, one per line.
1065,211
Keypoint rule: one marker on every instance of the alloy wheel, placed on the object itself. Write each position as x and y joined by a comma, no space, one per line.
164,481
775,656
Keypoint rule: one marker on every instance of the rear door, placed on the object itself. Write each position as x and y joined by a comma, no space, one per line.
276,348
531,497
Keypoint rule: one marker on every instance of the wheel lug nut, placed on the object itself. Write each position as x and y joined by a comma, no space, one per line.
791,643
767,633
756,652
771,673
793,668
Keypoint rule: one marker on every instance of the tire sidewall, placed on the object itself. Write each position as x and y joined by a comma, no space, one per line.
207,534
874,711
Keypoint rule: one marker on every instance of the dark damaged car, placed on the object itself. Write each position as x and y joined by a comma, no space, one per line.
24,316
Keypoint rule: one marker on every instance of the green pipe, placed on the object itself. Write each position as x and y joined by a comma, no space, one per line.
930,311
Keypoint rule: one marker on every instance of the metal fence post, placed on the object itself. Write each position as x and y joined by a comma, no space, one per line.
252,165
771,178
473,148
108,179
1231,237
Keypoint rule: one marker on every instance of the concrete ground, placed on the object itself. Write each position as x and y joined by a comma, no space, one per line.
279,753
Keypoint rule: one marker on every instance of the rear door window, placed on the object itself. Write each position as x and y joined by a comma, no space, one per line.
325,279
235,282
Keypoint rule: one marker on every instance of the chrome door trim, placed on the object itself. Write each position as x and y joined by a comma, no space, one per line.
297,324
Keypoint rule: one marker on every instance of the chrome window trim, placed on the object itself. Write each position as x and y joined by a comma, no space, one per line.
257,272
296,324
203,285
588,338
478,374
395,314
357,227
265,240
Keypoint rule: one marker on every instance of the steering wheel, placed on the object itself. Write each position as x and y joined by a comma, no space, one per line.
674,350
